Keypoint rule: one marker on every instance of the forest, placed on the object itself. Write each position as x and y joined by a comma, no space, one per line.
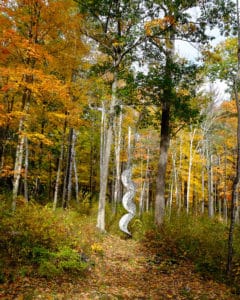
120,149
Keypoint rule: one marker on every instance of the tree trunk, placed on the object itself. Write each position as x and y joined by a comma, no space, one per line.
162,165
192,134
203,190
144,191
210,182
118,138
67,188
26,170
55,199
106,142
20,150
76,176
237,176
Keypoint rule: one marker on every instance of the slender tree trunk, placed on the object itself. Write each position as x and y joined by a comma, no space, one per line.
203,190
20,150
180,177
55,198
144,190
175,178
26,170
118,138
71,161
67,188
225,208
192,134
210,182
76,176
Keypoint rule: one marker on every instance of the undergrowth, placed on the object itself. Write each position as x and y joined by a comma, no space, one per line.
196,238
36,240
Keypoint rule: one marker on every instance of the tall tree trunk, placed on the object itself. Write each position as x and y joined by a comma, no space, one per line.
26,170
20,150
144,191
67,187
118,138
164,135
237,175
76,176
192,134
210,182
180,177
105,157
162,165
55,198
203,190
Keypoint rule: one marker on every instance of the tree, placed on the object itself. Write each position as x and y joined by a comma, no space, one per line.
115,27
171,22
33,78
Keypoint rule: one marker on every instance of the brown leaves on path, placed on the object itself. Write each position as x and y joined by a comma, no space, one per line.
122,271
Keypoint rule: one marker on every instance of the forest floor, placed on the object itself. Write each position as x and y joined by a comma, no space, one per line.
123,270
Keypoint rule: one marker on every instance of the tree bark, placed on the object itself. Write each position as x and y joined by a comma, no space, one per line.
118,138
105,156
192,134
237,176
162,165
20,150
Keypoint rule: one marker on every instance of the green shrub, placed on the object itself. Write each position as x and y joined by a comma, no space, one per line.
55,263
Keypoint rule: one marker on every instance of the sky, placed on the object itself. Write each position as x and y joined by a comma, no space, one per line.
191,52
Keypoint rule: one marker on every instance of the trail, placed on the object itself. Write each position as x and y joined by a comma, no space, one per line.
123,271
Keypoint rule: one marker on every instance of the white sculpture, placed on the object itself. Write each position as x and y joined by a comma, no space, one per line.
127,200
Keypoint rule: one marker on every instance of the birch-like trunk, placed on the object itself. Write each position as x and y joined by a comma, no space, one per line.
71,161
67,186
55,198
106,144
19,151
26,169
192,134
144,193
118,139
225,208
75,176
179,183
203,191
210,180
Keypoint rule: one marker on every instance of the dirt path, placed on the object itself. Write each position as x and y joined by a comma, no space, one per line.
123,271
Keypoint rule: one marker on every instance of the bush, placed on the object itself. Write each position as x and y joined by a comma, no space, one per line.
51,241
198,238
